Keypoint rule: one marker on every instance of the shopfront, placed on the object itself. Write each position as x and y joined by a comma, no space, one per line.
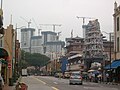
3,63
114,70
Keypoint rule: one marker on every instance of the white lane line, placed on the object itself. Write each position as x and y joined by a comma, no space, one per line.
55,82
85,87
54,88
39,80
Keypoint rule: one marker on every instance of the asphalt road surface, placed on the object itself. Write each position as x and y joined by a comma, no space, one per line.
52,83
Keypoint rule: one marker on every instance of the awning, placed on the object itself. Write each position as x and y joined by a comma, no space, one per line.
3,53
74,56
113,65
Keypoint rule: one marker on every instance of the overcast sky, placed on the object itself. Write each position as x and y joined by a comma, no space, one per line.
59,12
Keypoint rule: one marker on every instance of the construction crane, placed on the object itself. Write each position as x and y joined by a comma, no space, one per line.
28,22
54,25
58,35
39,29
84,22
84,19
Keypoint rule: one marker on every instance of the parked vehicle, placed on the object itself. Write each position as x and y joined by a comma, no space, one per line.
75,78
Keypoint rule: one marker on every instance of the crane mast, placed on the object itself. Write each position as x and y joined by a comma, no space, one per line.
83,20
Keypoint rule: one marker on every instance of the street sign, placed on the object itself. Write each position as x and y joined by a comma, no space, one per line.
9,65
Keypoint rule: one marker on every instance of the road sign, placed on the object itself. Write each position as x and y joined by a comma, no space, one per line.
9,65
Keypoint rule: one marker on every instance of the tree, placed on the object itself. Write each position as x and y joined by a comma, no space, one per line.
35,59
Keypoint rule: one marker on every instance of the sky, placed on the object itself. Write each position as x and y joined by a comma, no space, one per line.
62,12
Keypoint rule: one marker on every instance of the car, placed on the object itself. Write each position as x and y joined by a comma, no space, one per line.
76,78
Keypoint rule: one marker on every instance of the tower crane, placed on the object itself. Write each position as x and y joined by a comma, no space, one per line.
28,22
83,18
58,35
39,29
54,25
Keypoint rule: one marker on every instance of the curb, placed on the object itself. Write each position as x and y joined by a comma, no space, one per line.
111,83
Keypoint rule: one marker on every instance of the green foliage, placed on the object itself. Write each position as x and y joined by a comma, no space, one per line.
34,59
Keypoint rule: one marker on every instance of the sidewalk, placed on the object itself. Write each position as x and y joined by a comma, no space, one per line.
109,83
6,87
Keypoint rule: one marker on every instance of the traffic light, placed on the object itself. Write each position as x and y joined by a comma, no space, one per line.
1,22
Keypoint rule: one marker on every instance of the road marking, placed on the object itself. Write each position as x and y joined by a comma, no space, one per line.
55,88
55,82
85,87
39,80
45,83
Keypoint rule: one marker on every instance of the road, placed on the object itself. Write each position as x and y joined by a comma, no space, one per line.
51,83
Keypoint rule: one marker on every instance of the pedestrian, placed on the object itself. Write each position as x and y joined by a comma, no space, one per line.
90,77
107,76
100,77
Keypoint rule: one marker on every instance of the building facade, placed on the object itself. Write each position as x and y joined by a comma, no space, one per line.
36,44
116,16
74,52
93,50
47,43
26,36
9,45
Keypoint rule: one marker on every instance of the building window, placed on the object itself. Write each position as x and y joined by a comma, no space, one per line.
117,23
118,44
